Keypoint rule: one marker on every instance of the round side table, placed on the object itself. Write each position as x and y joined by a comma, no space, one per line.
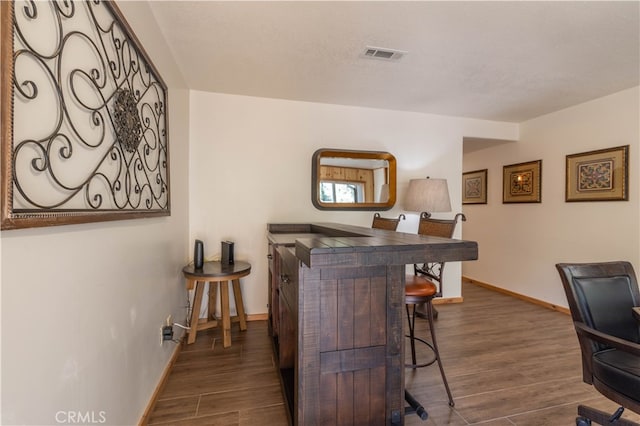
216,273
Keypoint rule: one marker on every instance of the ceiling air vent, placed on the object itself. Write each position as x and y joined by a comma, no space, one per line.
383,53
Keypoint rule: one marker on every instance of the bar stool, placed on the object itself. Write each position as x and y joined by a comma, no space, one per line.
390,224
418,291
433,271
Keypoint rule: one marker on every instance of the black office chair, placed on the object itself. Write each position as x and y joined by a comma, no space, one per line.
604,300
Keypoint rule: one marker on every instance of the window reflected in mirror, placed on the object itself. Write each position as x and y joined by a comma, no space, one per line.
353,180
336,192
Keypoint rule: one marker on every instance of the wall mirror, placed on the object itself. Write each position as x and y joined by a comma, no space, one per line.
353,180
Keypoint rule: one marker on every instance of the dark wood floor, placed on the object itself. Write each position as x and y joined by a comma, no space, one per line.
508,362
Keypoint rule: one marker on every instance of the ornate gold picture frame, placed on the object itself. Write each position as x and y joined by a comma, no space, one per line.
84,117
522,182
601,175
474,187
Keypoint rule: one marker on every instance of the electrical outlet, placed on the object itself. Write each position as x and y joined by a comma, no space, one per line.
167,332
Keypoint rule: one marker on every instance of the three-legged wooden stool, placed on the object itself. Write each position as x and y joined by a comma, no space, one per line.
216,273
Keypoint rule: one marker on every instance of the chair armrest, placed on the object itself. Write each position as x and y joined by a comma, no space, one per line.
607,339
636,313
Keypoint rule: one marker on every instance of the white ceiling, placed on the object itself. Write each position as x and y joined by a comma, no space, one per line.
503,60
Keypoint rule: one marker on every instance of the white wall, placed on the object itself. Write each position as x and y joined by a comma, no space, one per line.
250,164
521,243
82,304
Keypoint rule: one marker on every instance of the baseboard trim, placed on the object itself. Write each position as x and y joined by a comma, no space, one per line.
518,295
167,370
163,380
258,317
447,300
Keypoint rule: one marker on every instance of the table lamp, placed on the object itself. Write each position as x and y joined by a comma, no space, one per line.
427,196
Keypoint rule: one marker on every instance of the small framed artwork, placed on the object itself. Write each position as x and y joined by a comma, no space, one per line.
601,175
474,187
522,182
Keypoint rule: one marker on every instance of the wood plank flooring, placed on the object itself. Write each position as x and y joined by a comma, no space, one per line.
508,362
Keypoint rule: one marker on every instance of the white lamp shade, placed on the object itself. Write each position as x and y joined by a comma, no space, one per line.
427,195
384,193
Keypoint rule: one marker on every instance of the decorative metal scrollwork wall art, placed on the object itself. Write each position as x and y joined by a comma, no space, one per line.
84,117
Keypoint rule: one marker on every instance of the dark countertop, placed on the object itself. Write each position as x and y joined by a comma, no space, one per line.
332,244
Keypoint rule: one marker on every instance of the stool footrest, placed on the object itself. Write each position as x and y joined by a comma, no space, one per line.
204,325
425,364
411,318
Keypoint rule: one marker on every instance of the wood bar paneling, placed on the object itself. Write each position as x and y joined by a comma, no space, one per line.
329,315
308,390
352,360
343,291
346,317
362,312
394,372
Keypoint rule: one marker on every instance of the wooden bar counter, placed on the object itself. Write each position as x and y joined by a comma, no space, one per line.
336,315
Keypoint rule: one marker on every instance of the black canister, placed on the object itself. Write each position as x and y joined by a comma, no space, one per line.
198,255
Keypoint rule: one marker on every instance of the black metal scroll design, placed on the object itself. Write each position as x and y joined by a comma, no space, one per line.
89,113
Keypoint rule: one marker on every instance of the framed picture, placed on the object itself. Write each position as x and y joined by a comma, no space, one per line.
522,182
601,175
474,187
84,117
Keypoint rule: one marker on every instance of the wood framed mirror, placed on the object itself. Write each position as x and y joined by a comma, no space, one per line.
353,180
